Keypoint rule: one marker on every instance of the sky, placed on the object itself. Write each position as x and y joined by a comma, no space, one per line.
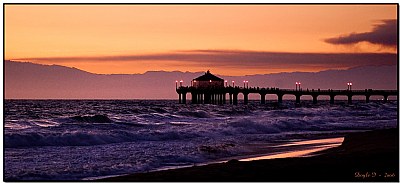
227,39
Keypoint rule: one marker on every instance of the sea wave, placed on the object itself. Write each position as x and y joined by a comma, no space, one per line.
196,114
90,138
91,119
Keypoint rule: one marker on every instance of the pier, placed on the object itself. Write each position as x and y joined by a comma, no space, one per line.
218,95
210,89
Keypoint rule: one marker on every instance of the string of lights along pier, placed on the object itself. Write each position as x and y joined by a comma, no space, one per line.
210,89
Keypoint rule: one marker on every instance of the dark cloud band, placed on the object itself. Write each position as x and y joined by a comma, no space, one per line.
384,34
246,59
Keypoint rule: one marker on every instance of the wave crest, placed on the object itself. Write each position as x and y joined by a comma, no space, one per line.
91,119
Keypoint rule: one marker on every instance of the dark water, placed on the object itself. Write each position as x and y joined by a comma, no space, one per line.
76,139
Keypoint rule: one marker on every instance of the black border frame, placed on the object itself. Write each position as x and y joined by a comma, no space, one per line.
198,4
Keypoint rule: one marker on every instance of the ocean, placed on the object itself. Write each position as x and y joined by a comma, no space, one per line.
81,139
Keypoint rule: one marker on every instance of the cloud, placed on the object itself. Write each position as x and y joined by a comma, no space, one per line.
242,59
384,34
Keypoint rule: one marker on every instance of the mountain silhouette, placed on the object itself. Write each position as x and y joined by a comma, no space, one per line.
25,80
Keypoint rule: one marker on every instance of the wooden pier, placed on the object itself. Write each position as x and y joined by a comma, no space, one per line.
218,95
210,89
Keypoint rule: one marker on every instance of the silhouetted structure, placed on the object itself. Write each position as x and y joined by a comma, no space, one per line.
210,89
209,81
207,89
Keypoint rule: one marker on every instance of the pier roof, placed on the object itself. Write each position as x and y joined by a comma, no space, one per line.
208,76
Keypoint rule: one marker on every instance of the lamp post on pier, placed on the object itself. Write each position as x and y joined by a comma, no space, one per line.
349,84
298,84
180,83
176,84
245,84
233,84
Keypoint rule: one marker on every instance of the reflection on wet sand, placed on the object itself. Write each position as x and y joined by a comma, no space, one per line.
301,148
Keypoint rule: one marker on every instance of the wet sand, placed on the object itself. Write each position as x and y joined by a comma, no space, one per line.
363,156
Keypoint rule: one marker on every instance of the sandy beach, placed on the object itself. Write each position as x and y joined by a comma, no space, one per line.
362,156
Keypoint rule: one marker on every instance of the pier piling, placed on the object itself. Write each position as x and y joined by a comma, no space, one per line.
315,99
349,99
262,98
332,99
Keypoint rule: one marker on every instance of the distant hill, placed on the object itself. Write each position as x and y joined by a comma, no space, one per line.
35,81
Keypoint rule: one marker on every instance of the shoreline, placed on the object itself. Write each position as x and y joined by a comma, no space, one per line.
287,149
362,156
295,148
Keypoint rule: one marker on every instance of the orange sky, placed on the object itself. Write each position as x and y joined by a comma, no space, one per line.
38,33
